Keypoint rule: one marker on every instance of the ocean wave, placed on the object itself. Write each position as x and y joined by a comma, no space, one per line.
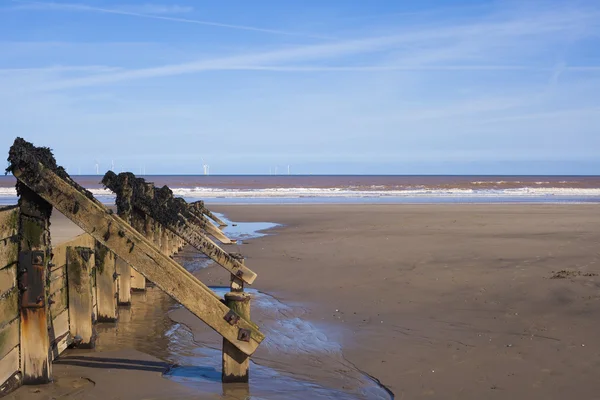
204,192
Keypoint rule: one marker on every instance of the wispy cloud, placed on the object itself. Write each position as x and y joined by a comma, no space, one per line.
458,46
155,9
146,12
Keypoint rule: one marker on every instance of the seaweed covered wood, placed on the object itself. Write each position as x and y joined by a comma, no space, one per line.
135,249
173,214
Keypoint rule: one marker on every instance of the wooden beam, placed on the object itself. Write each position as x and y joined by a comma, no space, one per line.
34,234
199,207
135,249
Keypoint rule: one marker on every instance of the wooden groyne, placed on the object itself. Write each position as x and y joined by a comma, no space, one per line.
52,296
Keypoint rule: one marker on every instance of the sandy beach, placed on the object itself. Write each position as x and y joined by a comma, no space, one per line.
434,301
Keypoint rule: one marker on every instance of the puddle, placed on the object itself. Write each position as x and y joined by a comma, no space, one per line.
245,230
298,358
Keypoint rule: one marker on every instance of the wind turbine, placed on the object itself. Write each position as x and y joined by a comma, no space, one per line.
112,165
205,167
97,168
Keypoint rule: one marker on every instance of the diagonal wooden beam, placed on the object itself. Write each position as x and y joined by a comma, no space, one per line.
172,213
199,208
135,249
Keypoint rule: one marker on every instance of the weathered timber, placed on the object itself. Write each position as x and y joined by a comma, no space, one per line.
199,207
164,243
106,284
132,247
202,222
9,306
9,251
235,362
9,221
168,211
123,282
9,337
58,280
8,278
81,314
59,301
138,221
60,337
9,365
34,251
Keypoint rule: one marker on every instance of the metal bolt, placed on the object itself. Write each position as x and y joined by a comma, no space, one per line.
244,335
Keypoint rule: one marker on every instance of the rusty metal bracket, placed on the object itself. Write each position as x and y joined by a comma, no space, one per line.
32,279
244,335
231,317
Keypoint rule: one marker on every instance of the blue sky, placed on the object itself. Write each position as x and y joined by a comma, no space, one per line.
457,87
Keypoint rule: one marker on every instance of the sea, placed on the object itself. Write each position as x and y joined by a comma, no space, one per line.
379,189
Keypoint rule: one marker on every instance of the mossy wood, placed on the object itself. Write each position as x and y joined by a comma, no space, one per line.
135,249
80,264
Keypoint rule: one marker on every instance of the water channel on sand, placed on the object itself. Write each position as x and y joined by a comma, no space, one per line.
298,357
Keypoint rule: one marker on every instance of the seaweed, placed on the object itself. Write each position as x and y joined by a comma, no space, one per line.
23,154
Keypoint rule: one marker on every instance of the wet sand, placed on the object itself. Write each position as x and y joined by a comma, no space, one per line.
444,301
435,301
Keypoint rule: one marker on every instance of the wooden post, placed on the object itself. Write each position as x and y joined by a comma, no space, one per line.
123,269
106,284
138,282
127,243
34,234
80,263
235,362
164,242
123,282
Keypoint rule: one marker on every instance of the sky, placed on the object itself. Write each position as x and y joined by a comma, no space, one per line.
324,86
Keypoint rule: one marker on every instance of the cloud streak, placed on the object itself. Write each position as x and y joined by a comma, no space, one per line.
139,13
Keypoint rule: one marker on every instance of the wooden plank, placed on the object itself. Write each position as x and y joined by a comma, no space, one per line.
9,365
203,223
106,285
58,279
9,306
8,278
9,337
202,243
198,207
135,249
59,334
9,251
9,221
79,270
59,301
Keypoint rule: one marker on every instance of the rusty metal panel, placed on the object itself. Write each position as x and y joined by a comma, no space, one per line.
32,279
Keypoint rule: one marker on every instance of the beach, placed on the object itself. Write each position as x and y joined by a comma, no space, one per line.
433,301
